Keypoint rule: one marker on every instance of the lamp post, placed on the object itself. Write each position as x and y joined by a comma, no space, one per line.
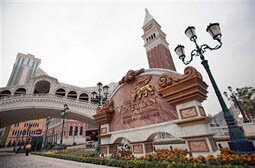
63,114
238,143
236,103
46,133
99,99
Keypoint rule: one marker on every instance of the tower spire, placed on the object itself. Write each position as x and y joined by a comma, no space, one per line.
148,17
155,43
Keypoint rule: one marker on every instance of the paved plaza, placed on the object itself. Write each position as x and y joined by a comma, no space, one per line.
12,160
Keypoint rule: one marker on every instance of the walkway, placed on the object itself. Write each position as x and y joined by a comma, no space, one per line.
11,160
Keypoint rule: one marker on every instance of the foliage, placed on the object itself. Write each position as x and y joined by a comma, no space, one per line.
163,158
246,96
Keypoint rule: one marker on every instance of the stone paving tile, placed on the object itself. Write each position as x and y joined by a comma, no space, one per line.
32,161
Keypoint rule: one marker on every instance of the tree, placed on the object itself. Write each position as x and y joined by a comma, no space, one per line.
246,96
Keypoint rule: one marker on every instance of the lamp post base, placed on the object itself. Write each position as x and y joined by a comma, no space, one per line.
242,146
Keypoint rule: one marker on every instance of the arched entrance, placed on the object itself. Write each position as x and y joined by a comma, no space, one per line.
160,136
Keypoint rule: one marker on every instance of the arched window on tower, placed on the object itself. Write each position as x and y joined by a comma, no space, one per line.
71,131
154,35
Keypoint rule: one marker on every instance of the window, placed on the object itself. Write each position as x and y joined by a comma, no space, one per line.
76,130
71,131
84,97
60,92
72,95
81,130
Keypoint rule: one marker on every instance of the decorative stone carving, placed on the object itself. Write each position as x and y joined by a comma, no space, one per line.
104,113
107,107
189,72
131,75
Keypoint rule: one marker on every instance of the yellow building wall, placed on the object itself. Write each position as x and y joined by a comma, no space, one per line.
18,131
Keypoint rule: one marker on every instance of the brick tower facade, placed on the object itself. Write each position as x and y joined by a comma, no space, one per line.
155,43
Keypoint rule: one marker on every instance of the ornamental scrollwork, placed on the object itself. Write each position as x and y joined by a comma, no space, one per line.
131,75
107,107
167,80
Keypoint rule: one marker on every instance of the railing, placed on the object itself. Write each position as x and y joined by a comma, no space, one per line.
50,97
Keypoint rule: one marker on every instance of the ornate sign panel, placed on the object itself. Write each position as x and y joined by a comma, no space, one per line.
137,103
198,146
138,149
188,112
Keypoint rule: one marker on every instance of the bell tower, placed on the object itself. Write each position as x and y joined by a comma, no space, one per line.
155,43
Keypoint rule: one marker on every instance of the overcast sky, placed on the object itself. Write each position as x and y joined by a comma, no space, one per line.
82,42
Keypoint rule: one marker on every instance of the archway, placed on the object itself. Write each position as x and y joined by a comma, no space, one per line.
60,92
5,93
20,91
42,86
84,97
72,95
160,136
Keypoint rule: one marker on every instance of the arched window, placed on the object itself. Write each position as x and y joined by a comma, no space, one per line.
154,35
71,131
20,91
60,92
81,131
76,130
42,86
24,132
84,97
5,93
72,94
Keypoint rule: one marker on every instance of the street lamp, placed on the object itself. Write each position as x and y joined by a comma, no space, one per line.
236,103
46,133
99,99
237,143
63,114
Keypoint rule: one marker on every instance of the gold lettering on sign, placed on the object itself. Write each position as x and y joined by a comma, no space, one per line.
134,106
142,104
